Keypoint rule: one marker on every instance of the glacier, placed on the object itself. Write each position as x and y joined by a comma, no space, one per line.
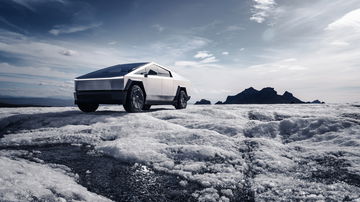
278,152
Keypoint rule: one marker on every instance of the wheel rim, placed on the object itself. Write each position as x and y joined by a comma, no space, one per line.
137,98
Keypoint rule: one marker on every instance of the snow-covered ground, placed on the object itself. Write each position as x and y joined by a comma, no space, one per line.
231,152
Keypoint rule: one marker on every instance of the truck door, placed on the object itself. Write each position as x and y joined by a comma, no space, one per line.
167,84
152,84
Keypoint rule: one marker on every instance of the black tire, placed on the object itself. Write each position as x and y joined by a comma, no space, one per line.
88,107
181,102
146,107
135,99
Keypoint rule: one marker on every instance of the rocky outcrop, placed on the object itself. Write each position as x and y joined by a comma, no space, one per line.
264,96
316,102
203,102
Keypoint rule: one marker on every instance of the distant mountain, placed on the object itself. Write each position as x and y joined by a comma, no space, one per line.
203,102
18,105
264,96
219,103
34,101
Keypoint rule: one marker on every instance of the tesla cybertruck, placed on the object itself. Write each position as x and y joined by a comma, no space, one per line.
136,86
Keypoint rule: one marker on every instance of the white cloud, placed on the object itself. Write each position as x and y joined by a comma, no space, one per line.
207,62
202,54
173,47
66,29
205,57
339,43
225,53
349,20
158,27
262,9
211,59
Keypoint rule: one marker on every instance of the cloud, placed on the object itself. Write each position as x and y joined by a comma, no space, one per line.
50,53
205,57
68,52
11,25
158,27
206,60
66,29
44,61
202,54
195,64
262,9
35,81
6,68
339,43
231,28
349,20
173,47
225,53
111,43
30,4
211,59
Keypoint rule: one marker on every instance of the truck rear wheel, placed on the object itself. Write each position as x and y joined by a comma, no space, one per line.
135,99
181,102
85,107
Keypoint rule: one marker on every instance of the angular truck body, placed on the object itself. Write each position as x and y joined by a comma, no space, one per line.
137,86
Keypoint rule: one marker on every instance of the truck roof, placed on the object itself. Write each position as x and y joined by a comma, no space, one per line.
113,71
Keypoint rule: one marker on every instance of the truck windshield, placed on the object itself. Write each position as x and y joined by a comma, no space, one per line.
113,71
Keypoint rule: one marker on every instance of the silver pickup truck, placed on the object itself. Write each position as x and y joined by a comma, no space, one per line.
136,86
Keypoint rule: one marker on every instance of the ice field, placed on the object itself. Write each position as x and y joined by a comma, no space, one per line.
205,153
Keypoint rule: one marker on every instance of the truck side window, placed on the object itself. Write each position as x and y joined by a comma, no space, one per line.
163,72
152,72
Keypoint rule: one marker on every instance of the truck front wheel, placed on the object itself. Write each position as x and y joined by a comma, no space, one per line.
135,99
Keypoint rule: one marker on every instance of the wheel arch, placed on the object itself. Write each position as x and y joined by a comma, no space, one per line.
180,88
131,82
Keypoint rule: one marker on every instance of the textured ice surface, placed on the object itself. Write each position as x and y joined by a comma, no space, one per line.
243,152
21,180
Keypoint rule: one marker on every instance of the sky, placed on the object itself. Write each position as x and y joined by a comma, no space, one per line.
309,47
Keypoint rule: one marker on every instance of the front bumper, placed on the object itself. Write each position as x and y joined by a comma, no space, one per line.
100,97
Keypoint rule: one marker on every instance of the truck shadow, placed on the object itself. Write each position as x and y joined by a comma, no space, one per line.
35,121
20,122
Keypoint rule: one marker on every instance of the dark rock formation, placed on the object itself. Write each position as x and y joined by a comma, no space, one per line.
203,102
265,96
289,96
219,103
316,102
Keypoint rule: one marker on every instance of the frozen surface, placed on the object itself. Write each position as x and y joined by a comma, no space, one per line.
243,152
22,180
